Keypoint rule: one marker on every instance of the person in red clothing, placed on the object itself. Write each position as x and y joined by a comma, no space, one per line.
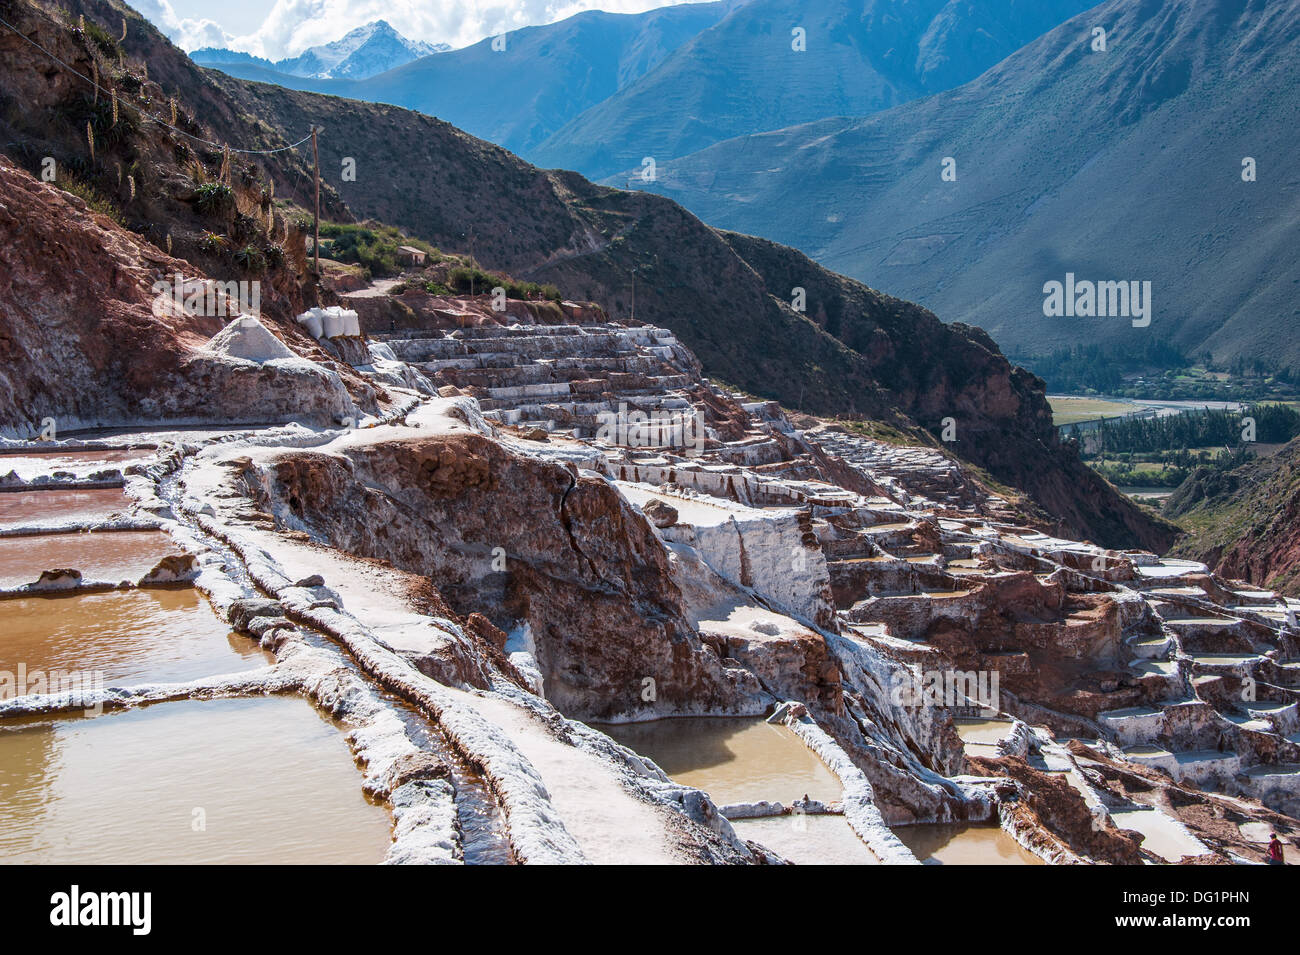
1275,856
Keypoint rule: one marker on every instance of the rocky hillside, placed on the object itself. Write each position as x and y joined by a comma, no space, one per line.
1120,165
851,351
103,204
95,348
854,351
1245,523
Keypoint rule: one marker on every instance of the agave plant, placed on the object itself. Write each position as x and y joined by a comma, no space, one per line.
250,259
212,243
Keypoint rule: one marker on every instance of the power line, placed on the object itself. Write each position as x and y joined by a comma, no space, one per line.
141,112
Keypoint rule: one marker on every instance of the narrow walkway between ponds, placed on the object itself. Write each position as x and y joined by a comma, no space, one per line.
610,824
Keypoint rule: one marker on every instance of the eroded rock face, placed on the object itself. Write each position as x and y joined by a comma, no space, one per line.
563,553
81,342
1057,821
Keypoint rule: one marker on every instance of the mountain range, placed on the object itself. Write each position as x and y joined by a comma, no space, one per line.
365,51
517,96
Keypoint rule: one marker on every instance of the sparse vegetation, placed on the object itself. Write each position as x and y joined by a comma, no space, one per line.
92,197
371,245
473,279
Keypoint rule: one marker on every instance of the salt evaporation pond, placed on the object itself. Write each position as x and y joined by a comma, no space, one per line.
982,731
808,840
264,780
130,636
734,760
962,844
1165,836
30,465
19,508
111,555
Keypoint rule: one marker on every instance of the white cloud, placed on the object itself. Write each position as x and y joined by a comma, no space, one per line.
293,25
186,32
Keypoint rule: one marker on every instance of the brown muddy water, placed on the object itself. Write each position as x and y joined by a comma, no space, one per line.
264,780
960,844
130,636
980,737
732,759
108,555
31,507
808,840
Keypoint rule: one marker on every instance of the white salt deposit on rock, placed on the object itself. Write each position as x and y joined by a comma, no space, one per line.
246,337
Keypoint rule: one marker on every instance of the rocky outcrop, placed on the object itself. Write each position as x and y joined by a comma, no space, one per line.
522,542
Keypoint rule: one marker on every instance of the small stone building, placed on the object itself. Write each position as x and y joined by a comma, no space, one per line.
410,255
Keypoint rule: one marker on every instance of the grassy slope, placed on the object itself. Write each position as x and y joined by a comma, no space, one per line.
1245,523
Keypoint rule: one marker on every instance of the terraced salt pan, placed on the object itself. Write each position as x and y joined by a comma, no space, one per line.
1157,667
1276,769
734,760
1260,832
808,840
982,731
269,779
696,511
1267,706
949,844
1165,836
20,508
80,463
1247,722
1171,568
107,555
1146,751
130,636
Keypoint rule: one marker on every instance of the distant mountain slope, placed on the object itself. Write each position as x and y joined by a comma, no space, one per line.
742,76
361,53
1246,523
545,76
1122,165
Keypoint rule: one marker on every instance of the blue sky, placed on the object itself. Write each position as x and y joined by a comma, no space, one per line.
287,27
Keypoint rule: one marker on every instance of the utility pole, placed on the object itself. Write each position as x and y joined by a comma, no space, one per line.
474,267
315,155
